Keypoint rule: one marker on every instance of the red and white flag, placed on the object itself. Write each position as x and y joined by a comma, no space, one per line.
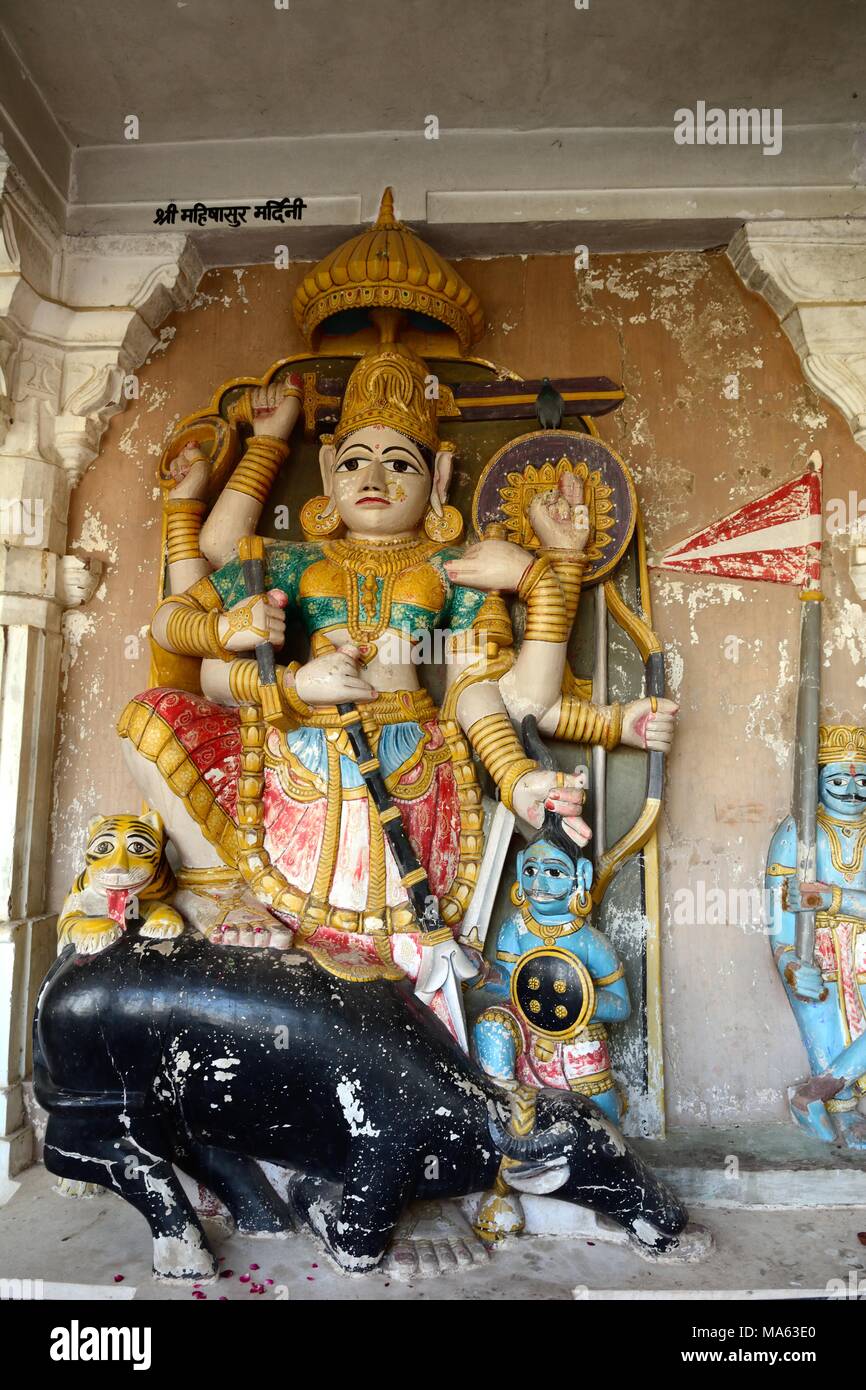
776,538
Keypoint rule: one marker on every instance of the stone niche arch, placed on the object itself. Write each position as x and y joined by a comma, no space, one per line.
77,316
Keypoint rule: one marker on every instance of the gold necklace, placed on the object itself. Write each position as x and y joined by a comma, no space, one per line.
548,931
832,826
371,561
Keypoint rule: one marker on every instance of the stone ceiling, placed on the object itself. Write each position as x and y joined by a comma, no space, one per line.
548,114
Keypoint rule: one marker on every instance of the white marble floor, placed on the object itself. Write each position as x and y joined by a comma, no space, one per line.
90,1242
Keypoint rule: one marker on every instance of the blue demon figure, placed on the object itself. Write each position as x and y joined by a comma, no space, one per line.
556,981
828,994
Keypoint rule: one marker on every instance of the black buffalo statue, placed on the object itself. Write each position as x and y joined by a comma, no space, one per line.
156,1053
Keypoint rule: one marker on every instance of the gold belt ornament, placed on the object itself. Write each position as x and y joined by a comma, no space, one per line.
390,707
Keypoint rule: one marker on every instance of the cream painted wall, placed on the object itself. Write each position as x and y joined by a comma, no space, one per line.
671,327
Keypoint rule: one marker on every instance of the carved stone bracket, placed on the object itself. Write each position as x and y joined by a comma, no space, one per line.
813,275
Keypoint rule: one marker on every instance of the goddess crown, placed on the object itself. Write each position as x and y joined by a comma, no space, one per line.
388,387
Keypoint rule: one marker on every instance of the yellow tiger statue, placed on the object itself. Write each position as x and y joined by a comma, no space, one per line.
126,878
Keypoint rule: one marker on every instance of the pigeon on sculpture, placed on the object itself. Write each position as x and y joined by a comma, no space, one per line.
549,406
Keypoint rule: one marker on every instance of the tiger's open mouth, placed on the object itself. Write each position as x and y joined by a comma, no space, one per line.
128,878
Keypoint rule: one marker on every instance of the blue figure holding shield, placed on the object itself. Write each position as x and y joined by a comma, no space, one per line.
554,984
556,981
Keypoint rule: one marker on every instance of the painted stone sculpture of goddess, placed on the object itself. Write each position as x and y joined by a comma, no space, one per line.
273,819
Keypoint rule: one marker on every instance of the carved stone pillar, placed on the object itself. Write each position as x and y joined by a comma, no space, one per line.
77,316
813,274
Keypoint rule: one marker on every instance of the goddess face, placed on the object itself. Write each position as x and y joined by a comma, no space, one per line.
843,789
380,482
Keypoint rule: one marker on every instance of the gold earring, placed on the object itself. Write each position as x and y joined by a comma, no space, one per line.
314,522
447,528
517,894
580,902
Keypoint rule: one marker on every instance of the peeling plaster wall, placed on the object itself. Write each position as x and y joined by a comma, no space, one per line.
672,327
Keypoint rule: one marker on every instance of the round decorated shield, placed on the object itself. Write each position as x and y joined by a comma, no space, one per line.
553,992
534,463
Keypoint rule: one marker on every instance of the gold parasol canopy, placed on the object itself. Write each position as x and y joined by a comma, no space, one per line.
388,267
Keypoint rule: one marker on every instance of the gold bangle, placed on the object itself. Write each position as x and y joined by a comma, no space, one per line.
569,569
244,681
255,474
500,750
293,699
613,732
581,722
531,577
576,717
509,780
183,519
546,618
192,632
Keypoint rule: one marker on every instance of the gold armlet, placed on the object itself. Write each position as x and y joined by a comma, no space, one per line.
569,569
835,903
581,722
183,519
610,979
259,466
192,632
298,706
204,594
546,618
501,752
490,665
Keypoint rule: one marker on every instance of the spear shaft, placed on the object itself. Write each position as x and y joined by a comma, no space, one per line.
805,806
805,803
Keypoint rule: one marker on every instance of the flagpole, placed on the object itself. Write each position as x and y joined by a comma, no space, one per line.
805,799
